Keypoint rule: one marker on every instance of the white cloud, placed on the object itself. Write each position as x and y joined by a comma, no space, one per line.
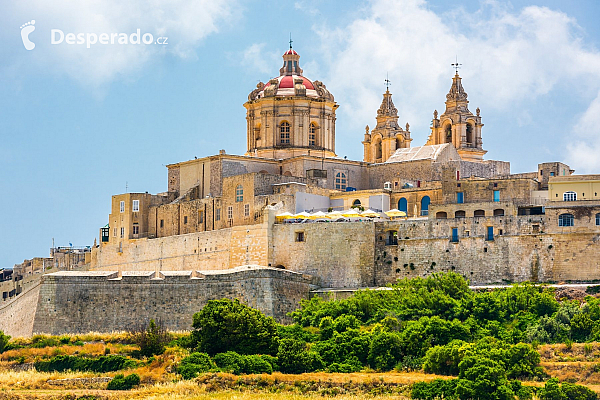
511,58
185,23
584,152
261,60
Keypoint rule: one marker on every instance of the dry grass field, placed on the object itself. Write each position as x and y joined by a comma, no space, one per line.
578,363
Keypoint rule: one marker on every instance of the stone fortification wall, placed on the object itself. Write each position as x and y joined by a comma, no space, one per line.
359,254
210,250
516,253
17,316
508,258
105,301
340,253
200,250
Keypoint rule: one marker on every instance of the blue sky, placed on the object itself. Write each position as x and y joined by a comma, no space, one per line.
78,124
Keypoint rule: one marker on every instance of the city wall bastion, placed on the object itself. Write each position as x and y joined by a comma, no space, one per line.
105,301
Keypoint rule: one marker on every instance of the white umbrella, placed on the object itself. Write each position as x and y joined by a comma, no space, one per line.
370,213
303,215
285,215
319,214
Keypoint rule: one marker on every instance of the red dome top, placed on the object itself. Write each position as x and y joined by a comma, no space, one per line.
290,51
287,81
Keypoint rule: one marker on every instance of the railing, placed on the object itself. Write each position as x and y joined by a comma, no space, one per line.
391,242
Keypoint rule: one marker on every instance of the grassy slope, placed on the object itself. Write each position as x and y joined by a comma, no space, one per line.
577,363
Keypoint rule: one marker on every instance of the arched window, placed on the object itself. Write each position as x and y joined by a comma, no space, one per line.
312,134
498,212
398,142
378,152
284,133
566,220
340,181
356,203
470,138
257,132
448,132
597,219
569,196
441,215
239,193
403,204
425,201
479,213
460,214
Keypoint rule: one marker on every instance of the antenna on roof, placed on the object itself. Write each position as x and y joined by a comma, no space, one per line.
456,65
291,40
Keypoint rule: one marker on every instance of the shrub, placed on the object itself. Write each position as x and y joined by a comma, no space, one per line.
552,391
345,322
242,364
41,341
76,363
4,339
254,364
444,360
272,361
385,351
326,328
483,379
567,391
119,382
436,389
226,325
151,339
194,364
344,368
578,392
294,357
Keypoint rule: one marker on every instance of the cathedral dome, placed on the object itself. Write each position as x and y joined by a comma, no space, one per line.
291,82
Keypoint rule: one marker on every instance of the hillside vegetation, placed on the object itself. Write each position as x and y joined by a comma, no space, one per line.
425,338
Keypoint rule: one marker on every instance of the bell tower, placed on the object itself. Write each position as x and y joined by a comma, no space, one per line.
458,125
388,136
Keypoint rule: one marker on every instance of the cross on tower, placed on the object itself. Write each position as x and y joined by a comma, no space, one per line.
387,82
456,65
291,40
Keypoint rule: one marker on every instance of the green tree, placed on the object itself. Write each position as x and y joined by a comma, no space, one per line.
293,357
4,339
228,325
444,360
483,379
578,392
581,327
385,350
326,328
552,391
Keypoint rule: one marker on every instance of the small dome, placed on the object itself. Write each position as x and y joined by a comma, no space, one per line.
291,82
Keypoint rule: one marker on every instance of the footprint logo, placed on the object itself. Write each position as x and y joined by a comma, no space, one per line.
26,29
